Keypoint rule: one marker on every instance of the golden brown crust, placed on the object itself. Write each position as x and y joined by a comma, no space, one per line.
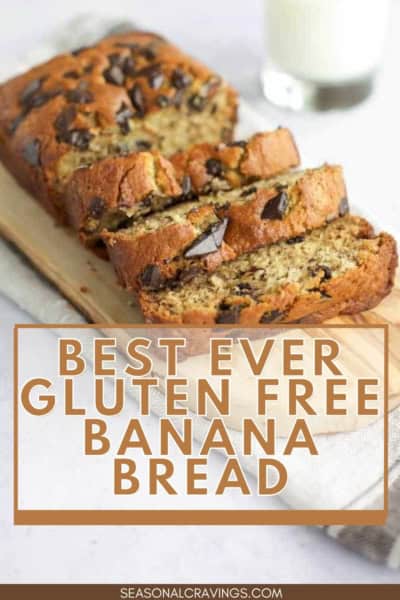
112,88
358,289
140,183
262,156
316,196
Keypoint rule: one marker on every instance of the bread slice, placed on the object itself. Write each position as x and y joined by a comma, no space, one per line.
174,245
111,191
342,268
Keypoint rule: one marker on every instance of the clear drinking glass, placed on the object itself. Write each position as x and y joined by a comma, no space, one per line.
322,54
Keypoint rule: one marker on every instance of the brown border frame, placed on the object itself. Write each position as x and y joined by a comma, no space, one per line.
200,517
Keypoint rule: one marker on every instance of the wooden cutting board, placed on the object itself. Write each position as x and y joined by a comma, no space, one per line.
90,283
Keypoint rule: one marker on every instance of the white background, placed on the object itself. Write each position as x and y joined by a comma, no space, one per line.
227,35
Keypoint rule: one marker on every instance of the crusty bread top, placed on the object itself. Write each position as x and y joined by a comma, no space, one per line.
96,98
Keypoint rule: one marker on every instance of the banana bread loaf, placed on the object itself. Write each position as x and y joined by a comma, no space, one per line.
174,245
342,268
112,190
129,92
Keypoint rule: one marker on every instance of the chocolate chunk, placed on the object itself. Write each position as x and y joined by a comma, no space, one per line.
152,278
30,90
122,117
248,191
180,79
243,289
214,167
295,240
228,314
327,272
197,102
39,100
240,144
78,51
79,95
148,53
35,100
186,185
155,80
80,138
65,119
114,75
31,153
271,316
89,68
71,75
148,200
137,99
96,207
143,145
343,207
128,66
162,101
209,241
16,122
276,207
322,293
153,74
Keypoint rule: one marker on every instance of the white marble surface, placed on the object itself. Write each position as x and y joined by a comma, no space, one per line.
228,36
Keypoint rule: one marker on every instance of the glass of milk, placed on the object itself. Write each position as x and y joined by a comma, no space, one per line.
322,54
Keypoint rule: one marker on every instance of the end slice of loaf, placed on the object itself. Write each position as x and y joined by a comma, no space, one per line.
342,268
172,246
107,193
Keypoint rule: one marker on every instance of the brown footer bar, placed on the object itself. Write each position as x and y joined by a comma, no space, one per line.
198,592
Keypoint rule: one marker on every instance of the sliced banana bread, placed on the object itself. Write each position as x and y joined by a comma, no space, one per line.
113,190
342,268
129,92
174,245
